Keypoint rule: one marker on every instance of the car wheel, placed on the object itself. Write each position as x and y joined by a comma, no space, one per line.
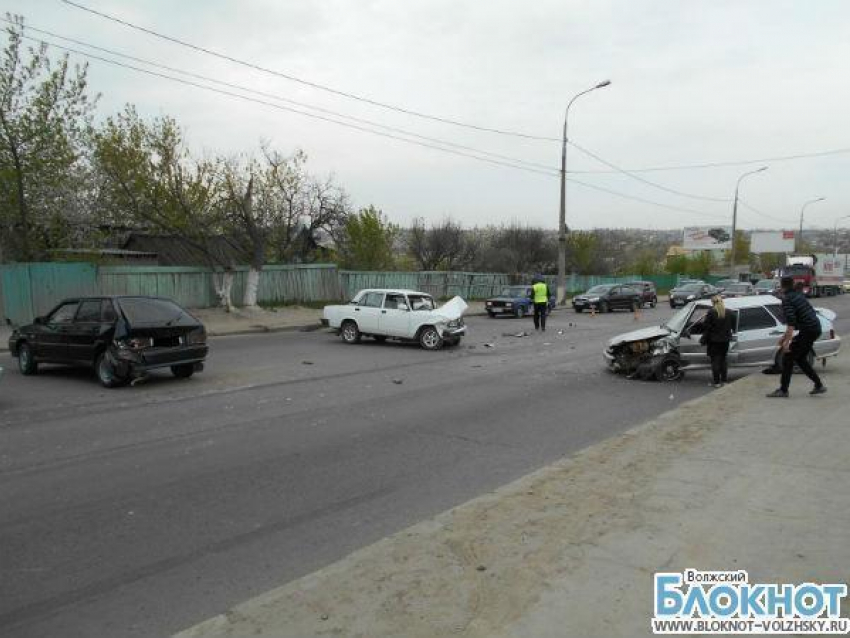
106,373
520,312
26,361
379,338
491,314
430,339
183,371
604,307
669,369
653,303
349,332
578,310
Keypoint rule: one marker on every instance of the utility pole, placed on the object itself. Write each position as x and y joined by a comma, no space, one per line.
732,272
562,214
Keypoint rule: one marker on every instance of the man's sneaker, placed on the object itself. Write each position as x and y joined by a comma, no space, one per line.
778,394
819,389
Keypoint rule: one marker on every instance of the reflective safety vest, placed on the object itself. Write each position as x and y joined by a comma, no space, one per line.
541,292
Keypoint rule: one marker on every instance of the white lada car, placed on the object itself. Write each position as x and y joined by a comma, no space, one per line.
405,315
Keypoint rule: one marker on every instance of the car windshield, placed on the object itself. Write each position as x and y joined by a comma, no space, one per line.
766,283
155,311
677,322
598,290
515,291
421,302
691,288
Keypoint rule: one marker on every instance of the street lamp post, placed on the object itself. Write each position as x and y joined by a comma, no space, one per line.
562,216
802,211
835,235
735,220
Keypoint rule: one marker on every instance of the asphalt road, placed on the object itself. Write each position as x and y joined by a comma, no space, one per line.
140,511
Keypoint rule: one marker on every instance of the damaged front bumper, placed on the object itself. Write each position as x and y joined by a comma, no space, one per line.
642,359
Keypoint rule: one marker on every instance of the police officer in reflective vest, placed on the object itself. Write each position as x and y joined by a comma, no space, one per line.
540,297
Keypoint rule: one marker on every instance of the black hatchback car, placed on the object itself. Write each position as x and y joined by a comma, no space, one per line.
608,297
122,338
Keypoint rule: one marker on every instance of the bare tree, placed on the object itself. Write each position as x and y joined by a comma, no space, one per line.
442,246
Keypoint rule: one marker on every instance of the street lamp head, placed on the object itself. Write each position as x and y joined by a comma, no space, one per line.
603,84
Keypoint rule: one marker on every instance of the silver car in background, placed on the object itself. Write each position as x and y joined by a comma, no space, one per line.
667,351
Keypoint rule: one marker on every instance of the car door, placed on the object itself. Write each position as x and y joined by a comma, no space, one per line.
758,332
368,312
84,333
395,316
690,349
52,340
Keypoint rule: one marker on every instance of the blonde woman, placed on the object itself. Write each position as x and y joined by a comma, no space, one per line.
719,325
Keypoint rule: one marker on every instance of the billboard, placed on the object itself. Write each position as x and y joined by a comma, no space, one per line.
781,241
708,238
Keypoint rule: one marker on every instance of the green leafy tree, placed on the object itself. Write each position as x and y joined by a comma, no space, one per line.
646,263
45,115
583,252
699,265
368,240
677,264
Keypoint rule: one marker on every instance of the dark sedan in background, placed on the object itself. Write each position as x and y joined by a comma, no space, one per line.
608,297
121,338
647,290
683,295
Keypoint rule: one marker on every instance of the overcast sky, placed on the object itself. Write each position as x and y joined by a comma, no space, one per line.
692,82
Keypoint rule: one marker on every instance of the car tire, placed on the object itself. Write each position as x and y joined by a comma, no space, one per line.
653,303
777,362
520,312
26,362
380,338
349,332
491,314
105,373
430,339
578,310
604,307
183,371
669,369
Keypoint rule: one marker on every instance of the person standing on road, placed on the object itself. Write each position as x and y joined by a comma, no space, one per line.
540,298
799,316
717,336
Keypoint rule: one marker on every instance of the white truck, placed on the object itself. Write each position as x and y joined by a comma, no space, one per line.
819,274
405,315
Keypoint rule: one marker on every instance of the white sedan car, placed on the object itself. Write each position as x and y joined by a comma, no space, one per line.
405,315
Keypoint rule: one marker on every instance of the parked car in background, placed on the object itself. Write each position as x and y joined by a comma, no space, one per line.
685,282
514,300
767,287
403,315
609,297
122,338
647,291
725,283
682,295
667,351
738,289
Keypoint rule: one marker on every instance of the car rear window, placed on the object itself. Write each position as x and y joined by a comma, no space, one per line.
154,311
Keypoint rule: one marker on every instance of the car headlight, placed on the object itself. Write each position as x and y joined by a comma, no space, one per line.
197,337
691,297
508,305
660,346
593,299
489,303
454,323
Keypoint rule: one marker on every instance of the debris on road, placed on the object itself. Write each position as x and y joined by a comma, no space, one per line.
515,334
307,363
398,381
489,345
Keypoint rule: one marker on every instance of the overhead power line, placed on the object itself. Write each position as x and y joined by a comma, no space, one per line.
315,85
470,155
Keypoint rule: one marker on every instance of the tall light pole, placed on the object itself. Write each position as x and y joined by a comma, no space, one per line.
802,211
562,216
835,235
732,273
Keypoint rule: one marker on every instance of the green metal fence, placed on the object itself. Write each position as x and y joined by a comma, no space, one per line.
28,290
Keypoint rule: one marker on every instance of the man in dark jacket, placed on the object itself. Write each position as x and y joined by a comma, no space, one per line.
799,316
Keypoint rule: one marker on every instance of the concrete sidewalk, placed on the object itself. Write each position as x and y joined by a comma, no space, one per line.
729,481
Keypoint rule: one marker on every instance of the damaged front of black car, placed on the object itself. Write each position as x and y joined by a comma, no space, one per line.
648,353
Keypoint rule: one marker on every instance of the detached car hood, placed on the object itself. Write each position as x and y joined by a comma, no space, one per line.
639,335
451,310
